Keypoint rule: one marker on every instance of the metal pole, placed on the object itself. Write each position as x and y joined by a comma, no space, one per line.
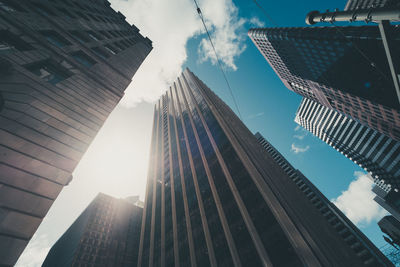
384,27
379,15
367,15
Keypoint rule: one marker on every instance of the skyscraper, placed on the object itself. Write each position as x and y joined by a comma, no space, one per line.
331,213
363,4
371,150
105,234
344,68
64,66
215,196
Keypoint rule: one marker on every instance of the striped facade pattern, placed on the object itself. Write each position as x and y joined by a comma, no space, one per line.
58,84
371,150
216,197
363,4
325,64
345,228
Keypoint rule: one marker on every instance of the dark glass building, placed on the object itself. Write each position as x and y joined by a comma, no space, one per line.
216,197
64,66
343,68
105,234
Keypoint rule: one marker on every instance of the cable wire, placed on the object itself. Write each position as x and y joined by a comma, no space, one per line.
371,63
265,13
217,57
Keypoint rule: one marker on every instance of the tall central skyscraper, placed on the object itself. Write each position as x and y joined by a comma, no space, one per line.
64,66
216,197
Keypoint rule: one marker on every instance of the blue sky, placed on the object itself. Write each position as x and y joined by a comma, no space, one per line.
116,162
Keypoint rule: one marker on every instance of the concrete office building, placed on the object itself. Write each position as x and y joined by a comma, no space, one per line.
64,66
215,196
343,68
105,234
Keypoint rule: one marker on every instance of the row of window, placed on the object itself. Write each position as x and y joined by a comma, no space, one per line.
12,6
49,70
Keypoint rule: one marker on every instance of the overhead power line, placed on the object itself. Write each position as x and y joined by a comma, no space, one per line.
265,13
217,57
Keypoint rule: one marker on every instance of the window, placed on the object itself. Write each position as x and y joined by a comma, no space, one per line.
111,49
82,15
10,42
49,71
66,13
81,37
44,10
105,34
83,59
1,102
94,36
98,51
55,38
10,6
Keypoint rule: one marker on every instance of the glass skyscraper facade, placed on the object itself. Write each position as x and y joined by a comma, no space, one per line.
216,197
64,66
343,68
105,234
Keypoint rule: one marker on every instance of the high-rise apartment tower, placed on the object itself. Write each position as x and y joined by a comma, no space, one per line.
105,234
343,68
216,197
371,150
64,66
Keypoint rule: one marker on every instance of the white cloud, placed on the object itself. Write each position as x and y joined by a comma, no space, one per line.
227,32
252,116
298,149
357,201
170,24
298,127
256,22
35,252
300,137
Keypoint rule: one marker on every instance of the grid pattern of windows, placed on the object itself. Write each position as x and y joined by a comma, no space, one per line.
371,150
62,73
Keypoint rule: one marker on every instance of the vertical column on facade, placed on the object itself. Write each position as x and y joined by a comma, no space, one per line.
225,226
192,253
209,244
162,170
170,117
143,256
243,210
155,197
